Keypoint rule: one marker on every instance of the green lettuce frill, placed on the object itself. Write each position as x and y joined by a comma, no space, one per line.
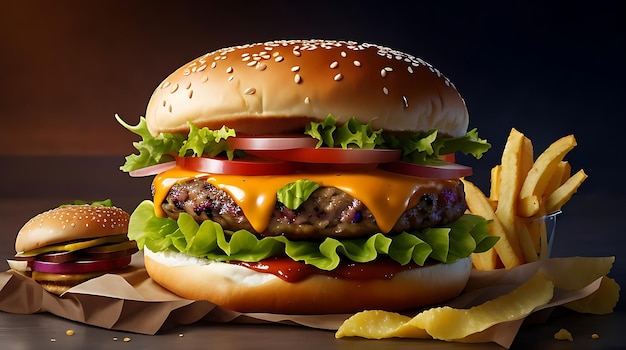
208,240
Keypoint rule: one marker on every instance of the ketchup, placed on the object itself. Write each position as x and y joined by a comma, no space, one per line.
294,271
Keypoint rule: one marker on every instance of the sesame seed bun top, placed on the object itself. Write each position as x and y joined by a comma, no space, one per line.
68,223
279,86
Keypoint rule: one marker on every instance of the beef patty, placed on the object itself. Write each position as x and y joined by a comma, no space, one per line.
328,212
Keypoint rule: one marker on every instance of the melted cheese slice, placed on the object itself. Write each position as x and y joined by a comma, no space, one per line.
387,195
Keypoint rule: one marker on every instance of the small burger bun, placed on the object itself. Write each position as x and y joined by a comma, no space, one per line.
70,244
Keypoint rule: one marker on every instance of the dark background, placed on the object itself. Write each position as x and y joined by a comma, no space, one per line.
66,67
546,68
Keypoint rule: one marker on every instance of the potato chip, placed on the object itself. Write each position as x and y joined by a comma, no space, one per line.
601,302
574,273
451,324
375,324
517,304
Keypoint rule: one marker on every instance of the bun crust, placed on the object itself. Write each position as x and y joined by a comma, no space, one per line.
69,223
222,284
279,86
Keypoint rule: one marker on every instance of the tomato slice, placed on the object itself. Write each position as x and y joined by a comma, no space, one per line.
450,157
261,143
332,155
444,171
244,166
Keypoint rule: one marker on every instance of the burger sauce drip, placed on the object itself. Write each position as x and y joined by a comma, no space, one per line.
294,271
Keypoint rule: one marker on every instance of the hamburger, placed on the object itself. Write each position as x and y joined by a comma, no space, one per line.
70,244
307,177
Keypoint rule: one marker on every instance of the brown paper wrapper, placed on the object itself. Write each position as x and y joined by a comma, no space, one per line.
131,301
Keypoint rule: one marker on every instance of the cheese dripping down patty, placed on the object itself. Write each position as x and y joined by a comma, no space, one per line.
387,195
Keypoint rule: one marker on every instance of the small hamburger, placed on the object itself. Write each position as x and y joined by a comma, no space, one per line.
70,244
307,177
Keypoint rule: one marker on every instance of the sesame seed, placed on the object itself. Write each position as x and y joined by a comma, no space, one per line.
251,64
297,78
296,53
246,59
229,70
201,68
261,66
388,69
231,78
295,68
406,102
338,77
249,91
190,93
357,63
386,91
165,84
214,64
279,59
204,79
334,65
174,88
410,69
307,100
383,73
343,54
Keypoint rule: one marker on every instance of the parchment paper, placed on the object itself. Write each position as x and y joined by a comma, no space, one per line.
131,301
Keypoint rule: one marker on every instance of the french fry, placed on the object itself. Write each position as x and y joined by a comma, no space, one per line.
522,192
494,191
561,195
485,261
544,167
478,204
562,172
529,248
511,177
527,204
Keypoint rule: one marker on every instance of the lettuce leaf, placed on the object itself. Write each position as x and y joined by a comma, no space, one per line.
162,148
295,193
352,134
208,240
420,148
206,142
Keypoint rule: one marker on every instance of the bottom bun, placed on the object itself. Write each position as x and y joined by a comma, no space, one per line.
241,289
60,283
